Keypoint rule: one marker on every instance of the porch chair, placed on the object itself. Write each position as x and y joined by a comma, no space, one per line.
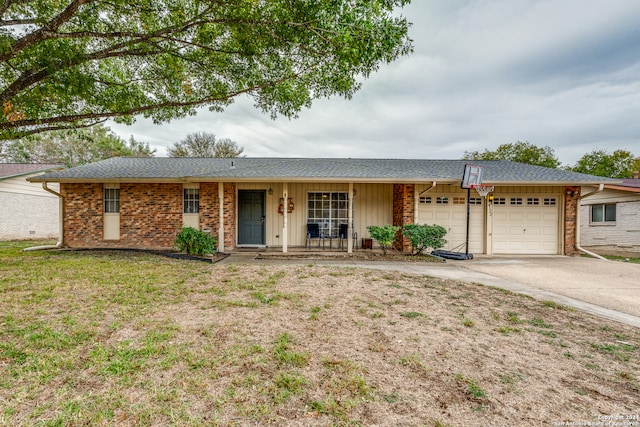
313,232
343,235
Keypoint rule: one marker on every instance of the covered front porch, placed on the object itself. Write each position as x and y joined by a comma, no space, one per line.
318,217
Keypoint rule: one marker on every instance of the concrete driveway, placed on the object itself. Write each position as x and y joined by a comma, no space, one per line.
611,284
609,289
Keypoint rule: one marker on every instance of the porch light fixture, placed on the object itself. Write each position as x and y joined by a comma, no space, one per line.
270,191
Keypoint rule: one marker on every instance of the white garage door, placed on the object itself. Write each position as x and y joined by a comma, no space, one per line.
525,224
450,212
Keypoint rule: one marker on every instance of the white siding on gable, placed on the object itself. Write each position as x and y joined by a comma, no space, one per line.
27,211
20,185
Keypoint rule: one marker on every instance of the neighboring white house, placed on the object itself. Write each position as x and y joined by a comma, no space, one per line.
27,211
611,219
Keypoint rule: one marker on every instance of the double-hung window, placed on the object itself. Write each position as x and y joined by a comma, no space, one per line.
603,214
111,200
191,200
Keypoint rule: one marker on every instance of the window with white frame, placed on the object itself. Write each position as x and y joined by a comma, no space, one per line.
602,214
328,210
111,200
191,200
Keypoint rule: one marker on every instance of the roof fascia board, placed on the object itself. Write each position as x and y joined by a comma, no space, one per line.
622,188
324,180
314,179
101,180
543,183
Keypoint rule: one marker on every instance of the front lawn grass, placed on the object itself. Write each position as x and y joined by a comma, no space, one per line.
111,338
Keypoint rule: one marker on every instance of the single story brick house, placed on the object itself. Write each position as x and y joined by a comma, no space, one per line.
27,211
612,216
269,202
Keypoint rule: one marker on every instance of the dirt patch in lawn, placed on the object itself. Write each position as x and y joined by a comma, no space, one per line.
300,345
396,349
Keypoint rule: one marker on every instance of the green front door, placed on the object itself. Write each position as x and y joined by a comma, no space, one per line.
251,217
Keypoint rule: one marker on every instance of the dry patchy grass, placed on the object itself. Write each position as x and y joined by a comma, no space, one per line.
130,339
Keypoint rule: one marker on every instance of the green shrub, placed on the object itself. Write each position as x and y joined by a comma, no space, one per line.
424,236
195,242
385,235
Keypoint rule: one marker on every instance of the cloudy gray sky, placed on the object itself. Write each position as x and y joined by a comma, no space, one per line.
562,73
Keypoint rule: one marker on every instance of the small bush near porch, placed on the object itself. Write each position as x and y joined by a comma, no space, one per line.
423,237
195,242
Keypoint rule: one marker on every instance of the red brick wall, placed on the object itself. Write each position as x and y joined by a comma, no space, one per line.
209,207
229,205
150,216
82,213
571,203
403,213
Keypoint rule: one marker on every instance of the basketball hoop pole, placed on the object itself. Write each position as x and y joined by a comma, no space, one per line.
466,243
471,177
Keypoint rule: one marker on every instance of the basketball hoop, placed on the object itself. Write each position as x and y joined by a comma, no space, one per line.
483,189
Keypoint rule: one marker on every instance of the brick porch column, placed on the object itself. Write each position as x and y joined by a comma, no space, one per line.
571,206
229,205
403,213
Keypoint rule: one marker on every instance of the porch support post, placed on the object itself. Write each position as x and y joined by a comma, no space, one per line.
349,235
488,222
285,216
221,217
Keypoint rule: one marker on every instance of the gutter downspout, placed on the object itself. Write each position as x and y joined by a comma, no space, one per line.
433,184
578,247
60,220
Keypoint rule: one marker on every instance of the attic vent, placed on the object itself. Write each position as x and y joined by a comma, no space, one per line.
232,165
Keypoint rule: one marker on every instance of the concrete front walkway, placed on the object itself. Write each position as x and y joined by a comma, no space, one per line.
609,289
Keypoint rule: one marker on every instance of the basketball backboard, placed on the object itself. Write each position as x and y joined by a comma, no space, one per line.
472,176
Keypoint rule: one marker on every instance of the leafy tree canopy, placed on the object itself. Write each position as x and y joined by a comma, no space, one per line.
619,164
72,147
72,63
519,151
203,144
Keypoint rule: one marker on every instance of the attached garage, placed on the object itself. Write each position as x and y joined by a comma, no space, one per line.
526,223
449,210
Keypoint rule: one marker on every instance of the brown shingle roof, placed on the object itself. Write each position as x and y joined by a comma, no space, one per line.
14,169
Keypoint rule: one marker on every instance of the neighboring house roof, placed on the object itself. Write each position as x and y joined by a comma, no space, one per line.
11,170
628,184
155,169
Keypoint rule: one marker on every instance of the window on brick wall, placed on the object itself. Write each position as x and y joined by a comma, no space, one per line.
191,200
111,200
602,214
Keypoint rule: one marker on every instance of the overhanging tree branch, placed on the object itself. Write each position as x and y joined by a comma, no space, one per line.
93,59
